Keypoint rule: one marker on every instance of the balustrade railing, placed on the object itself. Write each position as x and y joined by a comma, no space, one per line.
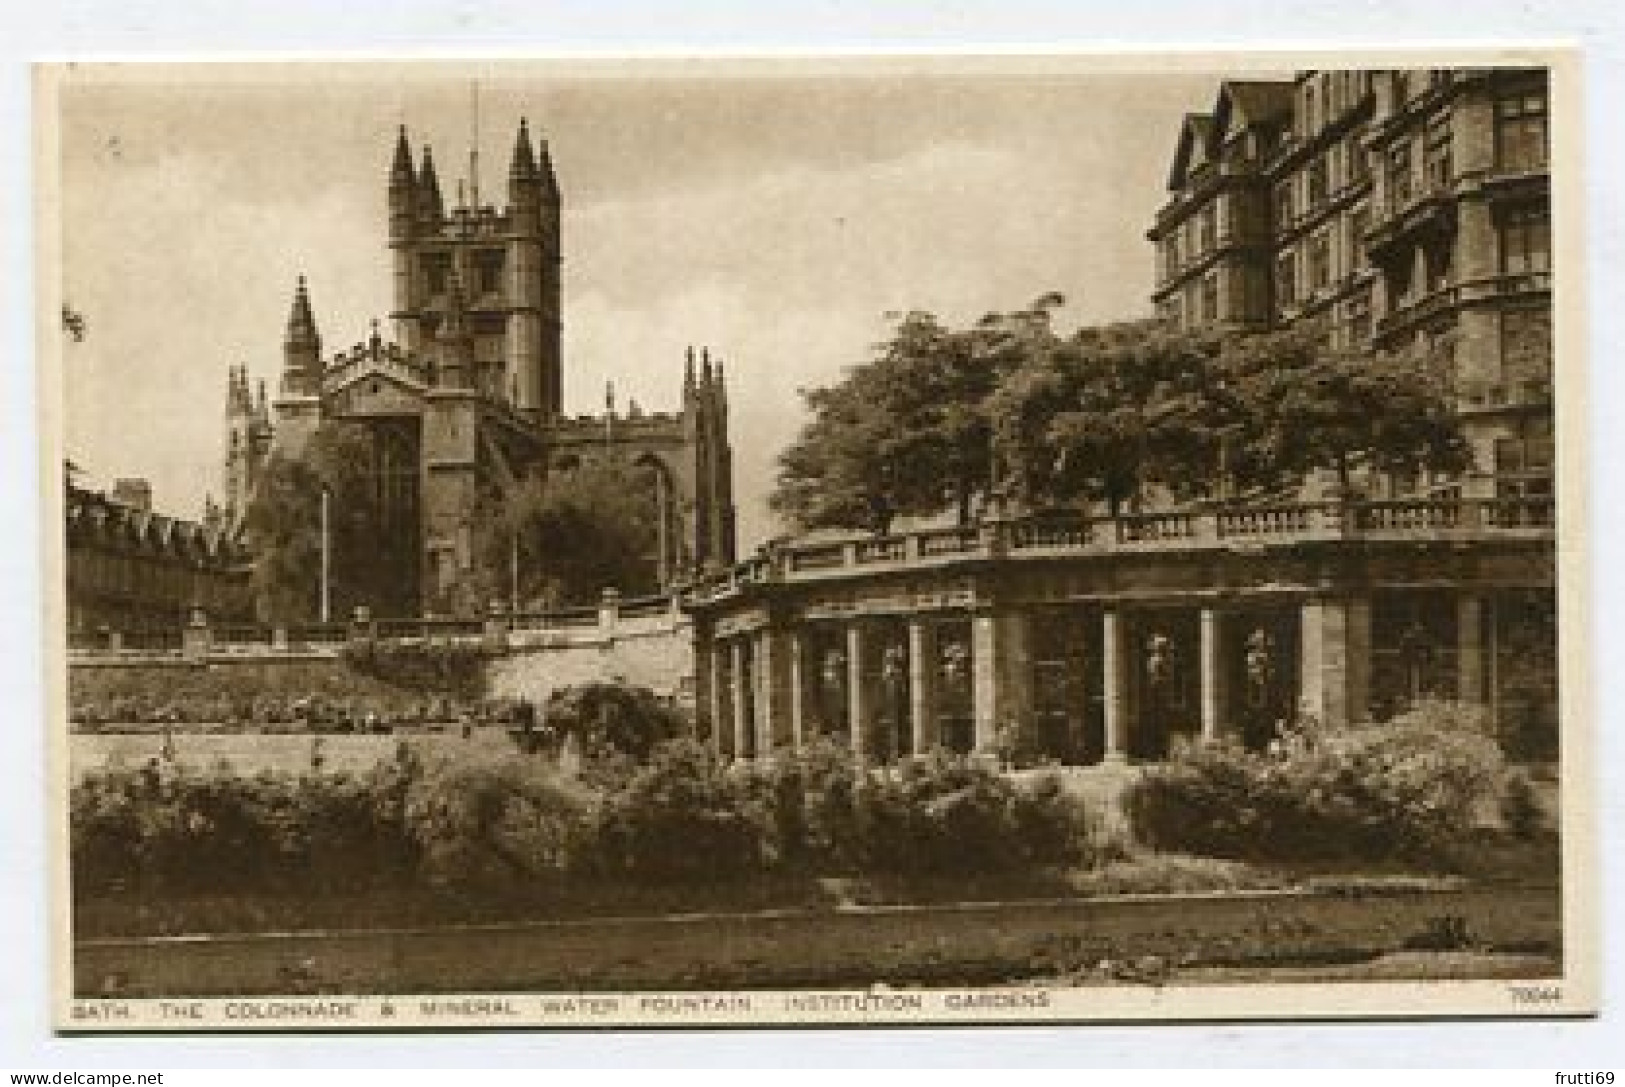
1030,535
820,557
884,549
1409,516
1266,521
1152,527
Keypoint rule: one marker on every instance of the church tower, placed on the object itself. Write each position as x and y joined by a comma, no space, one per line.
507,263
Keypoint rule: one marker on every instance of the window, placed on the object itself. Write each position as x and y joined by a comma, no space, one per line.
1436,157
1208,228
1210,298
1440,260
1359,319
1359,166
1520,131
1170,255
1402,89
488,271
1283,204
436,271
1317,180
1320,260
1399,172
1359,223
1308,109
1286,279
1526,242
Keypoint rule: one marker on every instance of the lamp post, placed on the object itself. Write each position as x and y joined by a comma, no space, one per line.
327,559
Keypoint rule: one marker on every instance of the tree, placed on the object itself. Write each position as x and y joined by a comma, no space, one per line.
572,534
1111,411
282,527
1309,407
907,433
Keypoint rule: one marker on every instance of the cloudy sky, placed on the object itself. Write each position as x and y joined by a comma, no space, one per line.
776,214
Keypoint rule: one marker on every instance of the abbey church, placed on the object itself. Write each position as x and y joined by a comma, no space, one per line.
465,400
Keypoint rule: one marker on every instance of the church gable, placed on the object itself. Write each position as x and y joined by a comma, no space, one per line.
374,391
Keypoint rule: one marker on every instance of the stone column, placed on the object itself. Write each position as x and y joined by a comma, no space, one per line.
1470,648
1212,675
1359,661
773,687
1000,674
715,663
739,692
1335,650
922,685
857,690
1114,662
799,673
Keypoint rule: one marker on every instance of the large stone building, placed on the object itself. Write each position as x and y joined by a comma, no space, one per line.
1394,210
466,401
1386,207
134,575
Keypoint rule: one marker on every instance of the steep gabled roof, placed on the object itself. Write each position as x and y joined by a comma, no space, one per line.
1250,103
1195,147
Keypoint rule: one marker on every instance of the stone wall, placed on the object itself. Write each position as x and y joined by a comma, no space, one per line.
660,657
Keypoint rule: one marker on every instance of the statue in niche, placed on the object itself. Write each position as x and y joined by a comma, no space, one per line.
1159,662
1259,664
894,685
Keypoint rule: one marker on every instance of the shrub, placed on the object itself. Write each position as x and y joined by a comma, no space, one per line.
937,814
487,822
1408,787
605,718
683,816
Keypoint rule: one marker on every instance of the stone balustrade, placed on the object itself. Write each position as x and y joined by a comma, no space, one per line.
1285,525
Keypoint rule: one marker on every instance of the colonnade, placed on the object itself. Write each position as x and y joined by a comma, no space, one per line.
758,686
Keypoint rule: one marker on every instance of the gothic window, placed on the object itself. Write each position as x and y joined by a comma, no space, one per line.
1208,229
488,270
436,272
1520,131
1526,242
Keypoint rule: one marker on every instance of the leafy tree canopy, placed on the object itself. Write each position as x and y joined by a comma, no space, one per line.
1108,415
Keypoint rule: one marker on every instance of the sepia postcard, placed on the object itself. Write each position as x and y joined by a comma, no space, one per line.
828,540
